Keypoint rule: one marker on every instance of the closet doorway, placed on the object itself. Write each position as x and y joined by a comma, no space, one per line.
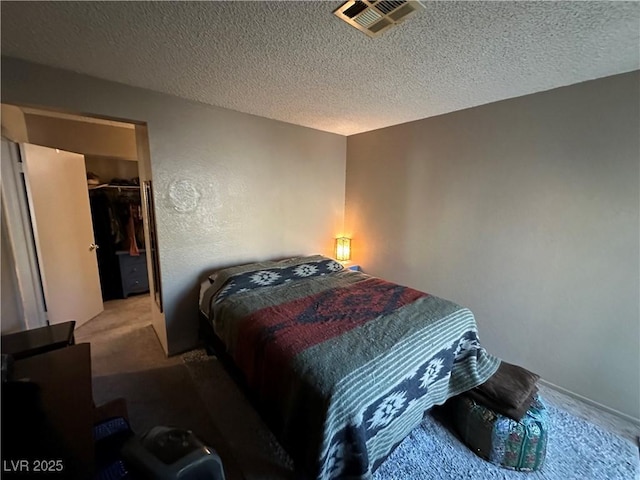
113,196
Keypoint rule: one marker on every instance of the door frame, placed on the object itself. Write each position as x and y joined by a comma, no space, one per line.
31,293
15,208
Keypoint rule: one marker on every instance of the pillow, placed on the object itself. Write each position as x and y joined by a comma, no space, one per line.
270,264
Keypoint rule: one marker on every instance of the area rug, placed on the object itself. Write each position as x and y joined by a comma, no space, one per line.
576,450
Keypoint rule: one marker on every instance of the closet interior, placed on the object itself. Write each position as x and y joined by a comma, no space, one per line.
116,211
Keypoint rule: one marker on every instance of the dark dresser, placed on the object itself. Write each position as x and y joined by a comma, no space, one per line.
48,415
133,272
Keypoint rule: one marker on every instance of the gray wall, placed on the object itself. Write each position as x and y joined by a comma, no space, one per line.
229,187
526,211
11,314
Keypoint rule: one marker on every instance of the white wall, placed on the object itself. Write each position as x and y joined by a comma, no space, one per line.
228,187
527,211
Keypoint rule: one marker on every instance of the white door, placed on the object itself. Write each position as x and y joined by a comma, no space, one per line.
59,202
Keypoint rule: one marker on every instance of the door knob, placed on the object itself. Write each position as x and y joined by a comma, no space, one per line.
93,247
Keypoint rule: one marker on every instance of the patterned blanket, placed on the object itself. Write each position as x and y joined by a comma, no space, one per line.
344,364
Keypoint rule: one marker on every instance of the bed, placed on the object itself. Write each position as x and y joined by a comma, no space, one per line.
341,364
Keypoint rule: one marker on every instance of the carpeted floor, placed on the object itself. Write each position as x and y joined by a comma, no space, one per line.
257,451
128,362
194,391
576,450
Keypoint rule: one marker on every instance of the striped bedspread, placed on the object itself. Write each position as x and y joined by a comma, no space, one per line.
343,364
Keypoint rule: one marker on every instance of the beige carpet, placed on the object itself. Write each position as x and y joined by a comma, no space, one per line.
254,447
128,362
260,455
118,317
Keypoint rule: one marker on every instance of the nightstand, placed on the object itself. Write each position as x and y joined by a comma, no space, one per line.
133,272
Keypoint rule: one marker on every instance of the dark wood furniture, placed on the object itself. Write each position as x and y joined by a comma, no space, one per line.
53,418
38,340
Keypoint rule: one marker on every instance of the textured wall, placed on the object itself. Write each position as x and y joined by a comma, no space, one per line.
527,211
229,187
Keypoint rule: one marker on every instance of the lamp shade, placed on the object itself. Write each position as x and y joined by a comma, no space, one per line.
343,248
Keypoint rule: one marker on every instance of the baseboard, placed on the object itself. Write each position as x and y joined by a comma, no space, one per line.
612,411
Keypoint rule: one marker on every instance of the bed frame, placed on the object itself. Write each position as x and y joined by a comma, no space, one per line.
215,347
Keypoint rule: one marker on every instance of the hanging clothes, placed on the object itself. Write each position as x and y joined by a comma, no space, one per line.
118,226
131,231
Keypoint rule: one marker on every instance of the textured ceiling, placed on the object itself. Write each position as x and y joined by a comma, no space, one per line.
296,62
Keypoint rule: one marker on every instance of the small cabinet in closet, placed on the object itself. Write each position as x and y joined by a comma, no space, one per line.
133,272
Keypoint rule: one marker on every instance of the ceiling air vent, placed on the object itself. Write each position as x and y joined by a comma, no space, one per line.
375,16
